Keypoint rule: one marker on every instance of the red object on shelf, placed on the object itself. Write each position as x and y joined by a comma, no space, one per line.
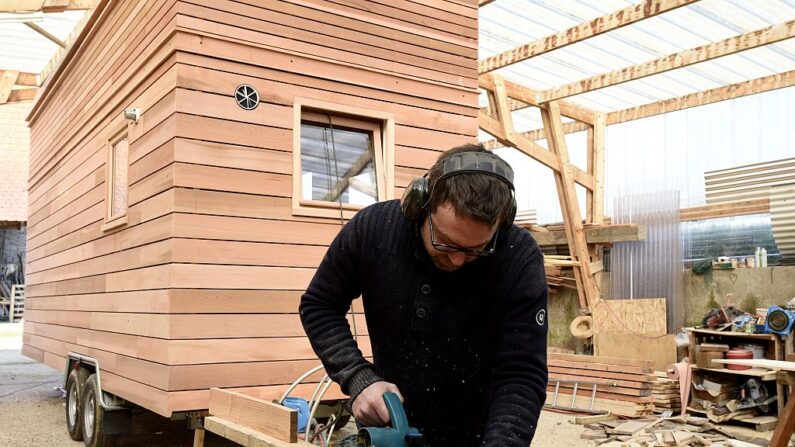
739,354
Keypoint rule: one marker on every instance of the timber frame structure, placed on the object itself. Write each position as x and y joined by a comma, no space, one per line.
505,97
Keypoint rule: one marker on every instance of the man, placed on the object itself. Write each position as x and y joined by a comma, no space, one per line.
455,299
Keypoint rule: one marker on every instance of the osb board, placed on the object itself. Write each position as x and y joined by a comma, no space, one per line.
645,316
660,350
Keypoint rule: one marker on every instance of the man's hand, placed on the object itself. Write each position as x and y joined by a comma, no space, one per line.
369,407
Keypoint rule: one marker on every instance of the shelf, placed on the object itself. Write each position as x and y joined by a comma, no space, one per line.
761,373
734,334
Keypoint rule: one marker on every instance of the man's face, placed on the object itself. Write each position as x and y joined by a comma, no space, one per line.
456,231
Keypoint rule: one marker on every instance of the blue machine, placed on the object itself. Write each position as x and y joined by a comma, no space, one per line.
398,435
779,321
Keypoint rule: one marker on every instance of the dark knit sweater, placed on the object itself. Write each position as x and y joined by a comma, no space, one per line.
466,349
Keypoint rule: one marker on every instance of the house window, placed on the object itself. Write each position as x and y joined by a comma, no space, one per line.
118,164
343,161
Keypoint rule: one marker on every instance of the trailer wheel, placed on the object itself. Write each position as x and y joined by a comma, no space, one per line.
93,416
74,402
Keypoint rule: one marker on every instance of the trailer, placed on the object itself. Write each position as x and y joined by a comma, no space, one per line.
190,163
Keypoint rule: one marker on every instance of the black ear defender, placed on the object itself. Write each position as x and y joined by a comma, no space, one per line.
418,194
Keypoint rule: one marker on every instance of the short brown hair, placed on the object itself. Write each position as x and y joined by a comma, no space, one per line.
481,197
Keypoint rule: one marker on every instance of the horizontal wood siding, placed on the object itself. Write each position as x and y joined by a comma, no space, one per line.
201,287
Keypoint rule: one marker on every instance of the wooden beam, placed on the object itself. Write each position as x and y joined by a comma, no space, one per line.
46,6
46,34
482,3
738,90
596,168
357,166
502,129
523,97
8,79
257,414
718,94
741,208
61,53
564,180
23,79
599,25
25,94
244,436
538,134
686,58
602,234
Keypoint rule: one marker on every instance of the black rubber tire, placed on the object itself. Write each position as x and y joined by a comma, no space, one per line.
93,416
74,402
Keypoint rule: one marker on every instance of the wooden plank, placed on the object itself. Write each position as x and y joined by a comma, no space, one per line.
740,208
785,426
597,169
599,25
25,94
564,180
738,90
266,417
46,6
661,350
245,436
8,79
755,39
185,352
759,363
606,234
222,23
522,96
46,34
219,46
602,362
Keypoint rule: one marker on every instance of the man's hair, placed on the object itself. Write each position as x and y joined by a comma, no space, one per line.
482,197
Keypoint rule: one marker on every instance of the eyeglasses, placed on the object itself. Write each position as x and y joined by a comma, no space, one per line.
473,252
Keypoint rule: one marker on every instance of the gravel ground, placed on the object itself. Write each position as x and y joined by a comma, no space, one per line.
32,410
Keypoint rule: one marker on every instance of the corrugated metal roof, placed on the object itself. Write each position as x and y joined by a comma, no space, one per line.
507,24
23,49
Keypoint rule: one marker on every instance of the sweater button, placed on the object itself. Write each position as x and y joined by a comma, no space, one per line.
425,289
420,312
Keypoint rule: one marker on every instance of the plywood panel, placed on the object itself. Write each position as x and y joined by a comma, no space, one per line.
660,350
644,316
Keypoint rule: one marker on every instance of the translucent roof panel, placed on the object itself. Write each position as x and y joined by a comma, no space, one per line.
25,50
507,24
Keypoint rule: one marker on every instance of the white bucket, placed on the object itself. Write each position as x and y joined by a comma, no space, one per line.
757,350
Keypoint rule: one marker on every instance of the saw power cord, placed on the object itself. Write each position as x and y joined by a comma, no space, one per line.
324,384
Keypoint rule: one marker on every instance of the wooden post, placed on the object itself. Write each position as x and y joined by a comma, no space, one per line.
786,420
198,437
564,180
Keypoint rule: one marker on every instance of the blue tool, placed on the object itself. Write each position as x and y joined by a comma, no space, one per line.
398,435
779,321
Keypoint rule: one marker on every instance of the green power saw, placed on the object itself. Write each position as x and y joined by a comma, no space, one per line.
398,435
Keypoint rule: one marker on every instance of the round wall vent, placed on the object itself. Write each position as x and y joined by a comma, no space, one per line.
247,97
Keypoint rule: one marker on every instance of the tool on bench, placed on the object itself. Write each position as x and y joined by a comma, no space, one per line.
398,435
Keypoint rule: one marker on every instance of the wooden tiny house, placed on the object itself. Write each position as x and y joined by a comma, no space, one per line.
174,249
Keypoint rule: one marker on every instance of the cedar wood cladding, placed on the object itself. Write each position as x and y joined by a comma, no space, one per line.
200,288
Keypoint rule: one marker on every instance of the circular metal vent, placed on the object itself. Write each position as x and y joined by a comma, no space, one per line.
247,97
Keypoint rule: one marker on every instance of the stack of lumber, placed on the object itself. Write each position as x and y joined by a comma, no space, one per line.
624,386
685,430
559,272
666,394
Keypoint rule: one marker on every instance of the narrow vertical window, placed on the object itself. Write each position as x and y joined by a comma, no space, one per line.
117,169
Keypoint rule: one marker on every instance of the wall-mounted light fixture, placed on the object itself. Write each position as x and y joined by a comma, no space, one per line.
132,114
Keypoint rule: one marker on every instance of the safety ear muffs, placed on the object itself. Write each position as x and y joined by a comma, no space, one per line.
415,198
507,222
